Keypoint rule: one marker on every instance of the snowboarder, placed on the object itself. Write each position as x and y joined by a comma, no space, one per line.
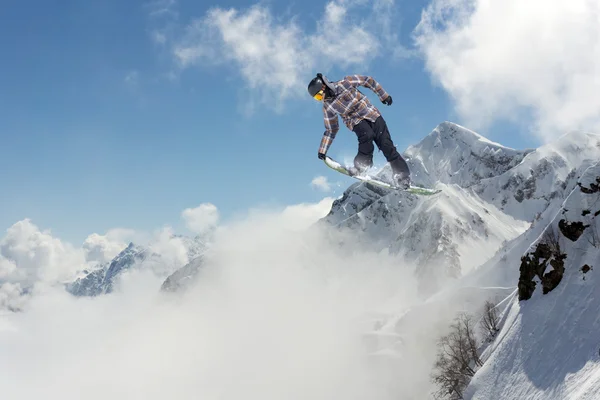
361,117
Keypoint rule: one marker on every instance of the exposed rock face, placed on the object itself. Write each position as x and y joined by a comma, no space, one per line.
90,285
594,187
571,230
547,251
534,265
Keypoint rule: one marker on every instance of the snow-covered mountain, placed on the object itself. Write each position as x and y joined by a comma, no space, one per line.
547,347
453,154
184,277
490,195
544,177
482,239
102,279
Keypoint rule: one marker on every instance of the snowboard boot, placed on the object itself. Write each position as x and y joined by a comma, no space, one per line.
402,181
361,166
400,173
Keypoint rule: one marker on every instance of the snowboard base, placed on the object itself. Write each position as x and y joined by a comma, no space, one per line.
352,172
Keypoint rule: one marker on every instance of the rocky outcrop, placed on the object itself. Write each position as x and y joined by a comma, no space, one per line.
534,265
594,187
547,251
92,284
571,230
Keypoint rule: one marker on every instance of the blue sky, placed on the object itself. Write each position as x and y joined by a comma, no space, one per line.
123,114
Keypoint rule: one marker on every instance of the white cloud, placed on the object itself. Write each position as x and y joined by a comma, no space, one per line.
7,267
103,248
171,248
37,255
302,216
12,297
276,314
276,56
269,55
202,218
321,183
503,58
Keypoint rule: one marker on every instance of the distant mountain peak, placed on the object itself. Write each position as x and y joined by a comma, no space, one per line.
490,193
453,154
451,130
102,280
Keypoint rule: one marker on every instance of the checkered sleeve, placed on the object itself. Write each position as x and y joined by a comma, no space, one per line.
368,82
330,119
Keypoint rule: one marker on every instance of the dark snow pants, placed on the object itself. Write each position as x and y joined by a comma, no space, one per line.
368,132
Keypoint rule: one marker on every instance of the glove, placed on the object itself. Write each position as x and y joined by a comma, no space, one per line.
387,100
321,156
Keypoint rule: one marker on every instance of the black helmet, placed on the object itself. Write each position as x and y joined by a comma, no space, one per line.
315,86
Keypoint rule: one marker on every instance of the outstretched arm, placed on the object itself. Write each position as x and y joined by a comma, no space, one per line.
368,82
330,119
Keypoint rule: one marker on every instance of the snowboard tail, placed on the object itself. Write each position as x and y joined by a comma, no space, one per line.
352,172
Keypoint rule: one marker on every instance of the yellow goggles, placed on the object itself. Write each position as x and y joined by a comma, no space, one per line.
319,95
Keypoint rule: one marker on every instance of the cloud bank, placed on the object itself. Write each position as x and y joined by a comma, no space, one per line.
275,314
505,59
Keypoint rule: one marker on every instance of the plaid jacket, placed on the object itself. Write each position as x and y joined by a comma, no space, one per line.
351,104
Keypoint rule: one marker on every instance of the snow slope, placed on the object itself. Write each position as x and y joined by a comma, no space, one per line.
548,347
544,175
496,202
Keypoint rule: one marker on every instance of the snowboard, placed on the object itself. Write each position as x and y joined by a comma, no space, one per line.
352,172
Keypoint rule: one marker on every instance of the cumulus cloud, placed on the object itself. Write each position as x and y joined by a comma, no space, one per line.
28,254
500,59
202,218
275,55
321,183
103,248
12,297
7,267
172,249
